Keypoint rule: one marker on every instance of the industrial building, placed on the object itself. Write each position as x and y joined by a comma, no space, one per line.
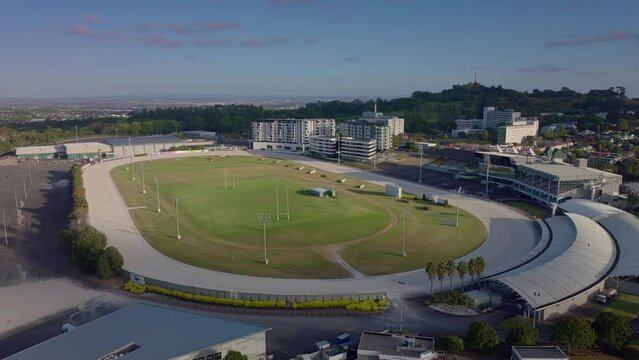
40,152
380,346
289,134
87,151
147,331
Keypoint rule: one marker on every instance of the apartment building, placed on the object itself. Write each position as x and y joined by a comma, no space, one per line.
357,150
517,131
289,134
395,123
494,118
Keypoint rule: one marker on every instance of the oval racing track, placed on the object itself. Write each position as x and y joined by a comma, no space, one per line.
511,236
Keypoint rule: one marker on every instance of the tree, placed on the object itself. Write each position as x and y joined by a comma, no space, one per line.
480,266
613,330
451,344
450,271
235,355
632,201
109,263
462,269
522,334
66,238
441,274
431,271
87,247
573,331
471,270
481,337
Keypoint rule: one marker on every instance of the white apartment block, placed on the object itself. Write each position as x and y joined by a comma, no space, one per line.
395,123
468,127
323,146
494,118
515,133
289,134
364,130
358,150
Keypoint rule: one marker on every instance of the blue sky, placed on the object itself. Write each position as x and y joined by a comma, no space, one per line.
350,48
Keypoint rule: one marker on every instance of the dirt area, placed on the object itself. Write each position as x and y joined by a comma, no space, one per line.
32,251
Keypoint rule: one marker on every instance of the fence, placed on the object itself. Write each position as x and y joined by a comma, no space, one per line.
250,296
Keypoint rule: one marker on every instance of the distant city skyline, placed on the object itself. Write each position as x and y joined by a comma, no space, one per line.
312,48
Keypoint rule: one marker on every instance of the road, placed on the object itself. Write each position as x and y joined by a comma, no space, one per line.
510,236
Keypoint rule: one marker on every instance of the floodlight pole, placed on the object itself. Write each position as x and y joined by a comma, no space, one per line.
421,153
29,170
404,233
4,222
225,179
177,216
264,219
15,192
277,204
288,209
233,177
132,170
24,183
143,184
487,173
157,191
458,192
401,316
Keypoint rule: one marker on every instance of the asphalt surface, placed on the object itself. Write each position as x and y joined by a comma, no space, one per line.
510,236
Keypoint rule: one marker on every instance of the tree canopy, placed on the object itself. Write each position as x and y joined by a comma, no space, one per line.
573,331
481,337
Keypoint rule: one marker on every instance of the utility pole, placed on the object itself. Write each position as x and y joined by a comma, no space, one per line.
132,170
421,153
404,212
143,184
15,192
4,222
116,132
458,192
277,204
157,191
264,219
177,216
24,183
288,209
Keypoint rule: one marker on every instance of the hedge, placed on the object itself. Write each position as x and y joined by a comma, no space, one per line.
350,305
80,206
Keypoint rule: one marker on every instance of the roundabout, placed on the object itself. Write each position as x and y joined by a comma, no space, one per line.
510,235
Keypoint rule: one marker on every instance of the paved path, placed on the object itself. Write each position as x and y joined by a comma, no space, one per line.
510,236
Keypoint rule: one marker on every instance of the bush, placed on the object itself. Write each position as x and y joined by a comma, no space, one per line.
87,247
614,331
235,355
481,337
109,263
573,331
66,238
451,344
522,334
452,298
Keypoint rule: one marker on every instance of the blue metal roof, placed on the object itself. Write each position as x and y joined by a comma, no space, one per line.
160,332
142,140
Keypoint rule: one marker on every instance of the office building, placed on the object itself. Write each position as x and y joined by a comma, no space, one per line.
289,134
517,131
147,331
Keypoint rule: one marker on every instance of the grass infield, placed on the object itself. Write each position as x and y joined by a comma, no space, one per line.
220,231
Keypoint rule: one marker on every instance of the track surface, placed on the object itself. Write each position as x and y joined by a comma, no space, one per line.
510,236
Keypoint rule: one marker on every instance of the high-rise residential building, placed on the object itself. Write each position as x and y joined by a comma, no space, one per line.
517,131
364,130
395,123
323,146
494,118
289,134
358,150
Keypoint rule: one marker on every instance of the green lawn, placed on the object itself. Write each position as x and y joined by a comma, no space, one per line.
625,305
530,208
220,230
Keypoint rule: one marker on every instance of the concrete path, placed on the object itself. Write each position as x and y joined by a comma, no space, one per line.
510,236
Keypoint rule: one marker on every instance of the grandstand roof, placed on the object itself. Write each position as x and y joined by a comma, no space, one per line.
565,171
623,226
142,140
86,147
580,256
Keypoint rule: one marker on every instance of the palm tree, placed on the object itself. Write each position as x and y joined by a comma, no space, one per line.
431,271
471,271
480,267
441,274
462,269
450,271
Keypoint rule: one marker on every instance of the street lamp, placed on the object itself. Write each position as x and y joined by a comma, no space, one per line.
458,192
4,222
264,219
143,184
177,216
421,153
157,191
404,213
133,170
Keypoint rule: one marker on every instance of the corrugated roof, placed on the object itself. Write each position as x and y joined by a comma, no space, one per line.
161,332
86,147
32,150
580,255
623,226
142,140
563,170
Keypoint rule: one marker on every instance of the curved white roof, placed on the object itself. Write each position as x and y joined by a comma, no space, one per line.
580,255
623,226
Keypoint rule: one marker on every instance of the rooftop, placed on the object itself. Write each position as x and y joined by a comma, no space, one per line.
148,331
396,345
28,150
566,171
539,352
86,147
142,140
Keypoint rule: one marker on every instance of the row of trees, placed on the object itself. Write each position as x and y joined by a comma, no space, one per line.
440,270
87,245
612,331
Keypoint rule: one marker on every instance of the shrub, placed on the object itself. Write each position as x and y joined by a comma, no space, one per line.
109,263
613,330
522,334
451,344
66,238
452,297
573,331
87,247
481,337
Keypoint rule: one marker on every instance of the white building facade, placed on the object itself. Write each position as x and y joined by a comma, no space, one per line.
289,134
517,131
358,150
395,123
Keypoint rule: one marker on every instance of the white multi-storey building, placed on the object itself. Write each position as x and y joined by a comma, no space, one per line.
289,134
364,130
494,118
359,150
517,131
468,127
323,146
395,123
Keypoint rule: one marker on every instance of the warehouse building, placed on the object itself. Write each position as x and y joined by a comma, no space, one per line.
142,145
147,331
40,152
88,151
